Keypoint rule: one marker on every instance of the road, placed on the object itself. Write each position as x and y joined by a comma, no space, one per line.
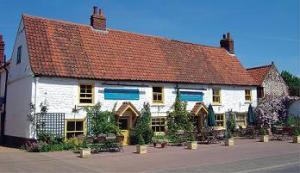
247,156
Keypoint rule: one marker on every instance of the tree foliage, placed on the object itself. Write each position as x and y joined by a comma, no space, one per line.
102,122
179,119
293,83
273,110
143,124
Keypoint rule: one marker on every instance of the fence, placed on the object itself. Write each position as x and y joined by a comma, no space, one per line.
50,123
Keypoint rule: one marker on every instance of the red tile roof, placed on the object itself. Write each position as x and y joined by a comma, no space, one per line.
63,49
259,73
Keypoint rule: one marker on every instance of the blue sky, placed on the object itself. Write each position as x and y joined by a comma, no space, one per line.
263,30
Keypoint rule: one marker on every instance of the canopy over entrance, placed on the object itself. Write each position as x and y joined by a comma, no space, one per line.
126,117
200,112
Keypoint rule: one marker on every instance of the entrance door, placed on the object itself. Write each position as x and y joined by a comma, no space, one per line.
124,127
126,122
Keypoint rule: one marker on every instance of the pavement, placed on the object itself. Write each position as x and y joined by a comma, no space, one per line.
247,156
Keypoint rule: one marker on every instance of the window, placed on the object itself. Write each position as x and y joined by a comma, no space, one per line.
19,54
216,96
241,119
158,124
157,94
121,94
191,96
75,128
248,95
220,120
86,94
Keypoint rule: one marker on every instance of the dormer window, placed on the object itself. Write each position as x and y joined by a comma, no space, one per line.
19,55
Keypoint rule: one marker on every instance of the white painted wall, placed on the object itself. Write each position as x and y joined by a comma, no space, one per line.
19,92
294,108
62,95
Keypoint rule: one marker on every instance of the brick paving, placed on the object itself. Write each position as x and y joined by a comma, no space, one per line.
157,159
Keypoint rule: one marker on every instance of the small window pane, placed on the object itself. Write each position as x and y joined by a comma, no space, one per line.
71,126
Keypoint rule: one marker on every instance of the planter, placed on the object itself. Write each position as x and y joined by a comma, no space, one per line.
264,138
85,152
141,149
154,144
296,139
229,142
192,145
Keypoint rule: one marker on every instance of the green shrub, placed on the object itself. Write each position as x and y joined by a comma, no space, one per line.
141,140
296,131
102,122
143,125
263,131
227,134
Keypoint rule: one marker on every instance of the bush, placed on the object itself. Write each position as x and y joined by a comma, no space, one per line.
102,122
179,119
143,126
227,134
296,131
263,131
141,140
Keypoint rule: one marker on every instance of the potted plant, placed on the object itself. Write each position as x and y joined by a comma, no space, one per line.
229,140
192,143
296,135
141,148
264,137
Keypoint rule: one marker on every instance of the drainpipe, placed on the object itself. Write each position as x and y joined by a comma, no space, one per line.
3,117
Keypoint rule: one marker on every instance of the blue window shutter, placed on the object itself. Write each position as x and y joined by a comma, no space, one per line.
191,96
121,94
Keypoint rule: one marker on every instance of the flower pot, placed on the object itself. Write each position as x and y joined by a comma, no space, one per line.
192,145
229,142
141,149
85,152
264,138
154,144
296,139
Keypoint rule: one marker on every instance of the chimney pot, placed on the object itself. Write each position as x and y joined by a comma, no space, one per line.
95,10
227,43
228,35
98,20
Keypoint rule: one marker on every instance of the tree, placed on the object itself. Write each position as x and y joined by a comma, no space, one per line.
143,124
293,83
273,110
102,122
179,119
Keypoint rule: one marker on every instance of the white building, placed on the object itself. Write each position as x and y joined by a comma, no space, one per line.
66,64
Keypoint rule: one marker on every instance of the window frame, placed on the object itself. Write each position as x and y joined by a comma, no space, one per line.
159,125
248,95
223,120
19,55
84,128
93,94
219,95
162,95
244,114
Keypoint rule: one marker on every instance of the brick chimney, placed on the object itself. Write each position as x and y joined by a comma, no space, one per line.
227,43
98,20
1,50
